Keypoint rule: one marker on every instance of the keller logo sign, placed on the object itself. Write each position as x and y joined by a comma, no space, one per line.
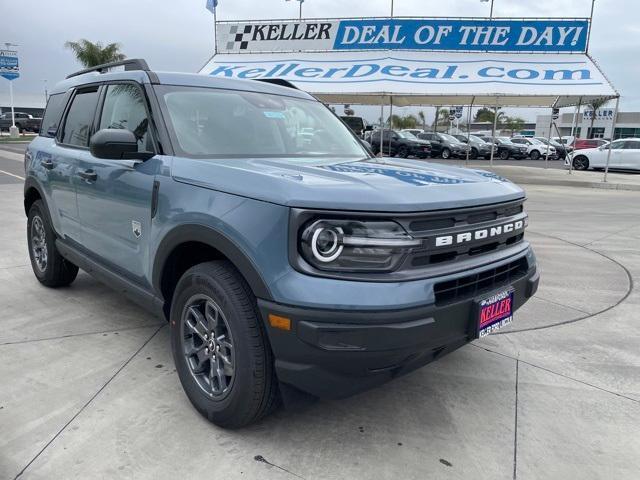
435,34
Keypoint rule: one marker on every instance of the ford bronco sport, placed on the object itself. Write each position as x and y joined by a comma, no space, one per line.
286,264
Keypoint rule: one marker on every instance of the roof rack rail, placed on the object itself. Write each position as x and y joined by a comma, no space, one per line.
129,64
278,81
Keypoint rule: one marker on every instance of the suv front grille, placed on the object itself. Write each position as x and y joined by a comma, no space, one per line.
436,224
471,285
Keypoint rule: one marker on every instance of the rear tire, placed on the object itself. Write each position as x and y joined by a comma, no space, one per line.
581,163
231,379
535,155
473,154
403,152
504,155
49,267
446,153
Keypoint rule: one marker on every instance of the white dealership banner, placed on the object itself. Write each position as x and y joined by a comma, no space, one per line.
429,33
346,77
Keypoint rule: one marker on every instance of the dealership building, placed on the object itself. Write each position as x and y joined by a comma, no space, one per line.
627,124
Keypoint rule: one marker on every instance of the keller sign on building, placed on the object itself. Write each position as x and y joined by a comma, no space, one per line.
438,34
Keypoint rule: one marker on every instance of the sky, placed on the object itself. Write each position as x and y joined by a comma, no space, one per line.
178,35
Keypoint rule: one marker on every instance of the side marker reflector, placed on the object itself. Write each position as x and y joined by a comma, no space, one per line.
281,323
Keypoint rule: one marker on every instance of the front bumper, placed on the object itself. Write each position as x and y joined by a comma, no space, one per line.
337,353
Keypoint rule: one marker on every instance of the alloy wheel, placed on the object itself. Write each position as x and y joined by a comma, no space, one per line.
208,346
39,243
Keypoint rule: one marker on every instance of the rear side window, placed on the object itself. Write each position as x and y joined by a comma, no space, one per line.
77,127
53,114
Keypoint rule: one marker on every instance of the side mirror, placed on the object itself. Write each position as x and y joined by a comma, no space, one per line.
394,137
368,128
116,144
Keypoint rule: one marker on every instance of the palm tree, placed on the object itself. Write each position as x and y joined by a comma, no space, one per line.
91,54
595,104
422,119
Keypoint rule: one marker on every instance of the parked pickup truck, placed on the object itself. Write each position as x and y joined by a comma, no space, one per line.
288,263
24,122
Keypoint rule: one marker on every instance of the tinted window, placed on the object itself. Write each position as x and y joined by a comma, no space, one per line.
619,145
632,145
77,127
53,114
124,108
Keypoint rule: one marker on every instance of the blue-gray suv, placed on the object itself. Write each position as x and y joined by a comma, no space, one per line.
287,259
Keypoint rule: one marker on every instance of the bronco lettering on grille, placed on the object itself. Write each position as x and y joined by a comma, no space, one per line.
480,234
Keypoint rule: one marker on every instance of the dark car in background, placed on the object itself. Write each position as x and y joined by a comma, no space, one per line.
507,149
401,144
444,145
24,122
357,124
479,148
561,150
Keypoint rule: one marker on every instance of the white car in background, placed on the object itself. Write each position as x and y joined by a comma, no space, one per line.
535,148
625,155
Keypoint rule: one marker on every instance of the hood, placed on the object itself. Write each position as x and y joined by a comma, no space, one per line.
384,185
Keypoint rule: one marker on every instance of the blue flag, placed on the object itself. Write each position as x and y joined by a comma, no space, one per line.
211,5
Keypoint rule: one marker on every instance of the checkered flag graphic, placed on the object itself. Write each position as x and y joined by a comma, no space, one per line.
238,41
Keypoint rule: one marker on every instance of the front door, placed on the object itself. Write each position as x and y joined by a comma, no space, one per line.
114,196
61,162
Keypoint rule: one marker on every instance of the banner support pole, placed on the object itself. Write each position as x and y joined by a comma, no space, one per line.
546,158
473,99
613,135
574,128
493,132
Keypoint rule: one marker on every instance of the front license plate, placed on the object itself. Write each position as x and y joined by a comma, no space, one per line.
495,312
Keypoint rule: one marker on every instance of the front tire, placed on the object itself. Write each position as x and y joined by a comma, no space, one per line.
504,155
473,154
49,267
446,153
535,154
403,152
581,163
220,347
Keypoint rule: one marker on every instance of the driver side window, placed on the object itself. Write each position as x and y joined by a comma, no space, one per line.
124,107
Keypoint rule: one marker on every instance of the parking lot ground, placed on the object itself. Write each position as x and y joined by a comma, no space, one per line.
88,388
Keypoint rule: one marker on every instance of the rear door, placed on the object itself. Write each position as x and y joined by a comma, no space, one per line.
114,197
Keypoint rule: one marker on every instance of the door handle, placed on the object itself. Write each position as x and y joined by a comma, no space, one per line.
88,175
48,164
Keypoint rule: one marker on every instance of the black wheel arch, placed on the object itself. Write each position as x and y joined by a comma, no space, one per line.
218,243
33,192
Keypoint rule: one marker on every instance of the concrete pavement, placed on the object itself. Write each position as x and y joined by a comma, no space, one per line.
89,389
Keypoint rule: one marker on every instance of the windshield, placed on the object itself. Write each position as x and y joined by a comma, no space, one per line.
535,141
449,138
211,122
473,138
504,140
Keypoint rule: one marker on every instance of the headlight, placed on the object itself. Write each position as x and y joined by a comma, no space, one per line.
354,245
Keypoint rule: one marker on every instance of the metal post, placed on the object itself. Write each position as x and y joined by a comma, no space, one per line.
593,4
381,128
466,163
392,8
215,34
574,127
613,137
390,121
493,132
546,157
301,1
491,12
13,114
